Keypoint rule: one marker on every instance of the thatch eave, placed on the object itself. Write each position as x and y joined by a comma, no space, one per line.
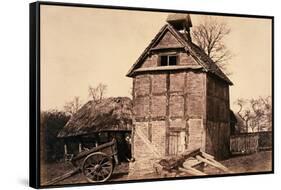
110,114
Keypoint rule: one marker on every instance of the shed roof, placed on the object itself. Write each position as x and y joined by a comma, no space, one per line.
110,114
196,52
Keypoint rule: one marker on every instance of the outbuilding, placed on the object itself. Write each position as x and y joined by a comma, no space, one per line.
180,98
98,122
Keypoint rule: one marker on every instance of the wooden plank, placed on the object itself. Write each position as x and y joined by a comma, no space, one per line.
192,153
168,48
62,177
147,142
192,164
167,118
191,170
208,156
221,166
214,163
65,149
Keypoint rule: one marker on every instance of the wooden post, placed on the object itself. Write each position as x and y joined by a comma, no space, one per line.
96,139
80,147
167,118
65,149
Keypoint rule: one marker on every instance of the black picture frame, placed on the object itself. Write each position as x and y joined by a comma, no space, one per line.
34,91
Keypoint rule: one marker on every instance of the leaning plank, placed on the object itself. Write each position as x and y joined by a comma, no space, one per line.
149,144
221,166
192,162
216,162
62,177
192,153
213,163
191,170
208,156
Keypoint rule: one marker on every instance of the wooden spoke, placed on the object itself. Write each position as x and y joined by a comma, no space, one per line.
97,167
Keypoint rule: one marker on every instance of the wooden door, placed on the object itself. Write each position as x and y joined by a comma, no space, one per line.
176,142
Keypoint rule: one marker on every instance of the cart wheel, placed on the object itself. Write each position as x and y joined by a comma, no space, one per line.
97,167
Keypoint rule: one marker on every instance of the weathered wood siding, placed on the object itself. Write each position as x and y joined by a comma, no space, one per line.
218,118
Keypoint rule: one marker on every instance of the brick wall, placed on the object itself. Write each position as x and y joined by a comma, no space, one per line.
169,100
177,82
187,59
150,61
159,83
168,40
195,131
176,106
144,157
195,94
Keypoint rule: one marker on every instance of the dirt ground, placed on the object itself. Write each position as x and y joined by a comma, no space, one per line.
261,161
258,162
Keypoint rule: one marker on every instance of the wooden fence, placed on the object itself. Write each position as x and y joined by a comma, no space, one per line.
247,143
265,140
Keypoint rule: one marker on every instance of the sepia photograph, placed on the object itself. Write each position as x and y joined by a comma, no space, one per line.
134,95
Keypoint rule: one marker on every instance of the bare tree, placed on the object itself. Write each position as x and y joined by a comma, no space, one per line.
73,106
97,93
209,36
262,113
244,113
268,110
256,113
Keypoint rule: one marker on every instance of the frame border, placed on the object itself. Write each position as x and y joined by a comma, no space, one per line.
35,89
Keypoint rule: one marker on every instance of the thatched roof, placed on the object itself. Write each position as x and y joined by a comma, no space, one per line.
110,114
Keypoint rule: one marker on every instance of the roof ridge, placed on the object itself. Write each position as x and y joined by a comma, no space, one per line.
201,62
146,49
197,53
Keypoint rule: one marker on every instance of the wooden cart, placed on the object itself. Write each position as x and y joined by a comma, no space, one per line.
96,164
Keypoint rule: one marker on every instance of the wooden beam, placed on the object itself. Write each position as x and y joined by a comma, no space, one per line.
197,163
62,177
65,149
168,48
149,144
208,156
191,153
214,164
167,119
80,147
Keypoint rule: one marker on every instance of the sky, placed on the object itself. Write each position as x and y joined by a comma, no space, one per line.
87,46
